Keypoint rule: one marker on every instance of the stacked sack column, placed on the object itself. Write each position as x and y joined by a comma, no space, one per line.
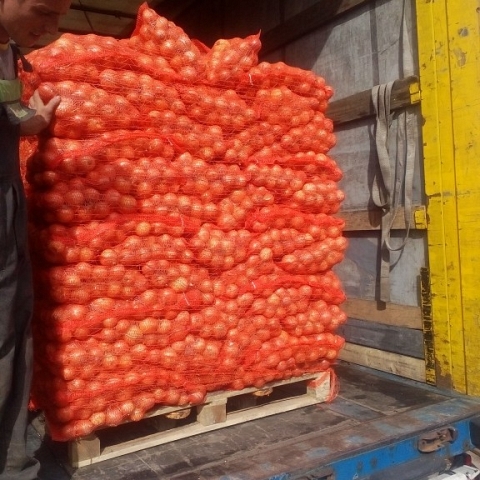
183,228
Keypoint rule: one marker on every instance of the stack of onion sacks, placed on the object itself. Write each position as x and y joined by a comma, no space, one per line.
183,224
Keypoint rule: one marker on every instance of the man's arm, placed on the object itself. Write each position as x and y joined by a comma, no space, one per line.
43,116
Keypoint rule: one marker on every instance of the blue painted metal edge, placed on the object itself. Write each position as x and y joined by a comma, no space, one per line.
355,454
381,459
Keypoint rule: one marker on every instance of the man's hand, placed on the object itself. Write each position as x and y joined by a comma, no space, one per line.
42,118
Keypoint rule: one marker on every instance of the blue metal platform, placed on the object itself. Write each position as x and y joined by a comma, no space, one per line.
371,428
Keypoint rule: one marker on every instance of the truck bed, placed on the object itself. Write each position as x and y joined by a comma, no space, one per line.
373,423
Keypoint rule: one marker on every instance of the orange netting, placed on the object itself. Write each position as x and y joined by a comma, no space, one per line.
182,224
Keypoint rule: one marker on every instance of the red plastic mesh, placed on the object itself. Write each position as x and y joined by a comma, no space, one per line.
182,218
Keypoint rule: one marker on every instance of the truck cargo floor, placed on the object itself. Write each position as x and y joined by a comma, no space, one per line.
371,409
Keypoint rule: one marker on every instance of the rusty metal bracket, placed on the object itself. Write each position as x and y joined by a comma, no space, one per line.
427,325
433,441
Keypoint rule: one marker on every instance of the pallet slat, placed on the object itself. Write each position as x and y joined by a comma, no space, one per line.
214,414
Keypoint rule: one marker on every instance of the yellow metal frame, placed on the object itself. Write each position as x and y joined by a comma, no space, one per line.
449,57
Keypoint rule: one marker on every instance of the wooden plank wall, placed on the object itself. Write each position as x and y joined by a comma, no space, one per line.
354,44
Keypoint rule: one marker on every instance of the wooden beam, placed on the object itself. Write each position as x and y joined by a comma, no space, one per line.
405,92
124,6
407,367
401,340
384,313
362,220
104,11
172,9
308,20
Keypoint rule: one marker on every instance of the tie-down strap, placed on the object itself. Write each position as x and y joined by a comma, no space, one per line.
393,181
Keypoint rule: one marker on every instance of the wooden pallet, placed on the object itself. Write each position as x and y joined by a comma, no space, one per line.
221,409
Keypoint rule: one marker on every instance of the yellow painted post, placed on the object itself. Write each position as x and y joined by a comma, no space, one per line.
449,51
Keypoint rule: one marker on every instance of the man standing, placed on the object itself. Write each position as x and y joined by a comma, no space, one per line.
22,22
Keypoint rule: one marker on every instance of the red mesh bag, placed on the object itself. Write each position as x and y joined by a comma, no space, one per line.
182,224
158,37
230,59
